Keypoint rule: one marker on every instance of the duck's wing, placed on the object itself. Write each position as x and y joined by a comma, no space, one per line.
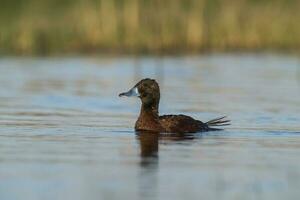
181,124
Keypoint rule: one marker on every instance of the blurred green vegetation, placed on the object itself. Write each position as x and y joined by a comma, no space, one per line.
147,26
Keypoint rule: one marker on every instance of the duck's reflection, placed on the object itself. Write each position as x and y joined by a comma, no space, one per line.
149,144
148,177
149,157
149,149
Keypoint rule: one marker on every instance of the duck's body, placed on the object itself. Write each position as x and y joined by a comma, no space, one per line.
182,124
149,119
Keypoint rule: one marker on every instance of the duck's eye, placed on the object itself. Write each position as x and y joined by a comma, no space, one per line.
145,85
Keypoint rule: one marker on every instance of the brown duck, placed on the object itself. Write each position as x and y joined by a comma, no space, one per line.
149,120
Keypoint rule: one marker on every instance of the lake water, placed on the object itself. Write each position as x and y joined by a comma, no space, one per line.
65,133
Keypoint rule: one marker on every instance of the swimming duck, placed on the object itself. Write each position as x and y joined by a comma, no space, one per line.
149,120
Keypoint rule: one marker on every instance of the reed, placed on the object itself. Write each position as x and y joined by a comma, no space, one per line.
147,26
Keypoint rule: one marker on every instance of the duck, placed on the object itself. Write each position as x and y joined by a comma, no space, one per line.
147,90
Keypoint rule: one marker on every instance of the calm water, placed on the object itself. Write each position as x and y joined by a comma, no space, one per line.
65,134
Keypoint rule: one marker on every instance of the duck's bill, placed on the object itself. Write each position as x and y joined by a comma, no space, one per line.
131,93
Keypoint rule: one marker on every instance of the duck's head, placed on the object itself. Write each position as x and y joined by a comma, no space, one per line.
147,90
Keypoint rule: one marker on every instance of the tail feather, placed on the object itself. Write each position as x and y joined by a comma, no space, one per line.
221,121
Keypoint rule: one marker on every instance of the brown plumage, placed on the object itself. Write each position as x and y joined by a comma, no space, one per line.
148,91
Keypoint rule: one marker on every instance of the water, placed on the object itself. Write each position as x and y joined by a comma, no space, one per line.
65,133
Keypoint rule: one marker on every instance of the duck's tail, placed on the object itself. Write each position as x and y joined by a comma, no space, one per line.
221,121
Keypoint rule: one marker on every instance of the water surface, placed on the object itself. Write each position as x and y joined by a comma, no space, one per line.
65,133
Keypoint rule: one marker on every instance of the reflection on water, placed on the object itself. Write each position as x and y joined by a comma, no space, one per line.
65,134
149,146
148,182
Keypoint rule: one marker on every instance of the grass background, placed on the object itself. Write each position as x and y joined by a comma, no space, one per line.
147,26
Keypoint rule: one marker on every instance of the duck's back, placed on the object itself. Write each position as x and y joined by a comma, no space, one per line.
181,124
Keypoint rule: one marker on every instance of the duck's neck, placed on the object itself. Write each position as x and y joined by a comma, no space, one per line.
149,119
149,110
